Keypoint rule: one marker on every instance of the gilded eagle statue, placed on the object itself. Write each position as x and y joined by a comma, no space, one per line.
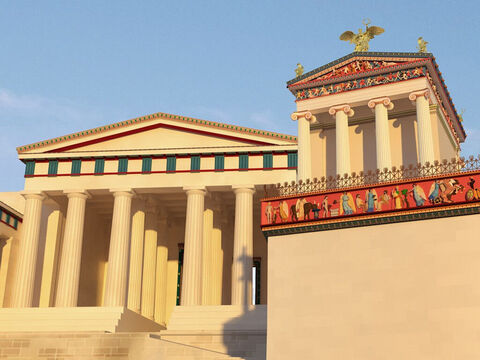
363,37
299,70
422,45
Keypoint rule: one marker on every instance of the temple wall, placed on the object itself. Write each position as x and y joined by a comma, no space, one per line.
399,291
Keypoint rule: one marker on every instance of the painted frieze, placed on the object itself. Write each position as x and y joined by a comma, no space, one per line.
433,193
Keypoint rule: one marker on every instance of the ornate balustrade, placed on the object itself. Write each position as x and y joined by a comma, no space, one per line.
376,177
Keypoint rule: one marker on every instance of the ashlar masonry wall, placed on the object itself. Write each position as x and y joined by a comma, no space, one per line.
408,290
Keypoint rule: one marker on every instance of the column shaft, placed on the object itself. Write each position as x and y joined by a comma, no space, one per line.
424,124
116,282
192,264
71,255
28,248
304,170
161,274
207,257
243,247
342,143
136,260
217,265
149,266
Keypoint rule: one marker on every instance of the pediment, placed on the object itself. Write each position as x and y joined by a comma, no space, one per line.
358,65
158,132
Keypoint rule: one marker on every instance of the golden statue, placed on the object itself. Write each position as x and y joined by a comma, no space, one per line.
363,37
299,70
422,45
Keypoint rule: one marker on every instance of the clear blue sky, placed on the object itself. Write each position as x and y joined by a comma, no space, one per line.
66,66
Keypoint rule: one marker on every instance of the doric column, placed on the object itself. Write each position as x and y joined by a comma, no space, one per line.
304,167
27,252
71,255
161,272
207,256
116,282
149,262
243,246
382,132
192,260
136,256
342,113
219,222
424,126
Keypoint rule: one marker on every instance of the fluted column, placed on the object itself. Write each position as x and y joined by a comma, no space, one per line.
161,272
71,255
27,252
207,256
116,282
149,263
219,222
192,260
136,257
304,167
243,246
424,126
382,132
342,113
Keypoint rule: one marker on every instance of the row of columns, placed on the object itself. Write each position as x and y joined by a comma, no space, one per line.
141,245
380,106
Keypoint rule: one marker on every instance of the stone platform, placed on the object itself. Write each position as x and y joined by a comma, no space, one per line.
101,319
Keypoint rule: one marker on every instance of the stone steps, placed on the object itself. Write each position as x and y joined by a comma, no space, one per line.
101,319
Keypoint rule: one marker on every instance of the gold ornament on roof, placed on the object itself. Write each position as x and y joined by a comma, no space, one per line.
299,70
422,45
363,37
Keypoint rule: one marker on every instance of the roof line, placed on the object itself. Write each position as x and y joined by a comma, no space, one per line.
164,116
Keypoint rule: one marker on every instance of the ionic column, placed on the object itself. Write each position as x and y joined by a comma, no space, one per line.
161,272
342,113
149,263
136,257
192,261
28,248
304,167
71,255
382,132
243,246
424,126
116,282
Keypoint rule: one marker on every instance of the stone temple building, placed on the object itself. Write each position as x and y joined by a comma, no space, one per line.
171,237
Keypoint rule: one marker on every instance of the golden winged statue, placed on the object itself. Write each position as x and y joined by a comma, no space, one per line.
422,45
363,37
299,70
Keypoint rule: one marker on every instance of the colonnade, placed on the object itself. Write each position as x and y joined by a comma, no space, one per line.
380,106
137,256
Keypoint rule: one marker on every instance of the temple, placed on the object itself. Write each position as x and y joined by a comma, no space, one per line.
166,235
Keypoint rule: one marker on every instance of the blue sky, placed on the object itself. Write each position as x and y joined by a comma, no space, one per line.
66,66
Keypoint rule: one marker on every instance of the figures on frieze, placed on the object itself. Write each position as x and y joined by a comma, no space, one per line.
369,201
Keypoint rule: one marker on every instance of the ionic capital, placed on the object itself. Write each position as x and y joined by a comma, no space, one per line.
386,101
345,108
304,114
416,94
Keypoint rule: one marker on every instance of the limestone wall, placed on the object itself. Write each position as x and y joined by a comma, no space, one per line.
398,291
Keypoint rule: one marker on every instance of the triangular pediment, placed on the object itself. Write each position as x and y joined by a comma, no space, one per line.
159,132
358,64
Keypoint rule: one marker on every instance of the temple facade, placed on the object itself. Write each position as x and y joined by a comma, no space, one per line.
184,233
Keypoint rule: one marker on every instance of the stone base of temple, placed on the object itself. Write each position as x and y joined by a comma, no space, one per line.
177,345
219,318
101,319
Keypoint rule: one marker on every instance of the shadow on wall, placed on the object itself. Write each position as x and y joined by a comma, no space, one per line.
240,335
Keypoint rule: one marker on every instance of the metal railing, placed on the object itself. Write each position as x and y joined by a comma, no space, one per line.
455,165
